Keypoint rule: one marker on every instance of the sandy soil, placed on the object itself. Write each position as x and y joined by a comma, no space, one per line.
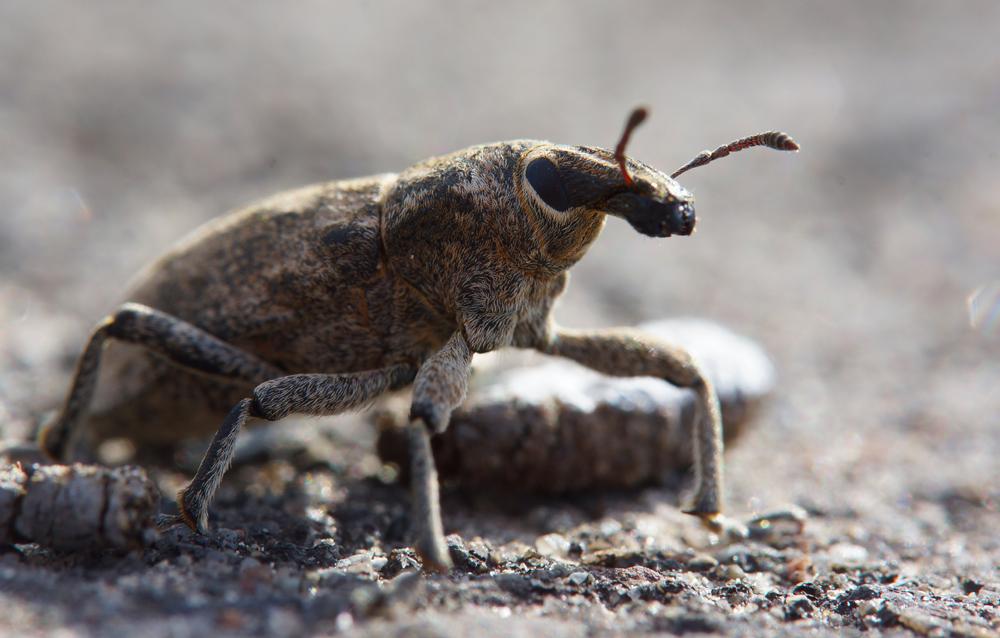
123,126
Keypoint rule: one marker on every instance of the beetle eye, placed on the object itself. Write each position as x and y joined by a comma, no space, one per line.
544,178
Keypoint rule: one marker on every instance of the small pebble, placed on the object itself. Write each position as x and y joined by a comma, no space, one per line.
797,607
579,578
245,564
866,607
847,554
729,572
232,535
344,621
702,563
553,545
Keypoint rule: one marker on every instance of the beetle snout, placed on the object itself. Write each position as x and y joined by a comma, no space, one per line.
681,218
654,217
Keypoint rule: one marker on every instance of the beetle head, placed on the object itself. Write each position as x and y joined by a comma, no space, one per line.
568,190
565,180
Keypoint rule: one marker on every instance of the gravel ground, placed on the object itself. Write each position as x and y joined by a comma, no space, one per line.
853,263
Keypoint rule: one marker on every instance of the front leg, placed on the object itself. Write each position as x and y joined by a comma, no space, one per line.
439,388
630,353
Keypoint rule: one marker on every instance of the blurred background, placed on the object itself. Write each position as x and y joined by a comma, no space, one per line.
125,125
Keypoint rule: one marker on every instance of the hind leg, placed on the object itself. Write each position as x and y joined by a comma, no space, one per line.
176,340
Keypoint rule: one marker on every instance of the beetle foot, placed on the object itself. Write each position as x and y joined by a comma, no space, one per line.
434,556
193,510
166,521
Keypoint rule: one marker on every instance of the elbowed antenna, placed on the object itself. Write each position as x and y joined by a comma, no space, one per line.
771,139
637,117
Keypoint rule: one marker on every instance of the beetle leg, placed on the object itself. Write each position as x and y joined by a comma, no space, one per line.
439,388
308,394
630,353
174,339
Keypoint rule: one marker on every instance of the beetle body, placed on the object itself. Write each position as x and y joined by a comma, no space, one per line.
318,300
344,277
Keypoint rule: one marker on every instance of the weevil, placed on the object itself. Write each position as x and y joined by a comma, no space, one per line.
318,300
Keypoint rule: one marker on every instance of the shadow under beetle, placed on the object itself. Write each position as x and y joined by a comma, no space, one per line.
317,300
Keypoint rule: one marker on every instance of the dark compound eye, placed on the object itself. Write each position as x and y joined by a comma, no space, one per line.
544,177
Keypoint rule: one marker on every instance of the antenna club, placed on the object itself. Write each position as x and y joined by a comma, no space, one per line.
788,144
637,117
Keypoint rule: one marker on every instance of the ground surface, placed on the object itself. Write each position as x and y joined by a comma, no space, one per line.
122,126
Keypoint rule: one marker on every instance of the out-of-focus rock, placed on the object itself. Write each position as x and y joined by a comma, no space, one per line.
73,507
